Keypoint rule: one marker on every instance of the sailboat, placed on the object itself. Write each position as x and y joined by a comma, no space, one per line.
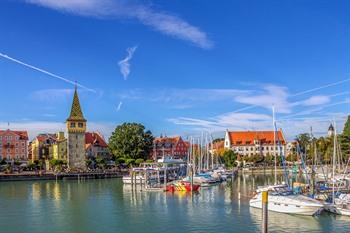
340,202
281,198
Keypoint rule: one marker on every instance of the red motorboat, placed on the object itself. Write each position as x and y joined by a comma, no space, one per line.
182,186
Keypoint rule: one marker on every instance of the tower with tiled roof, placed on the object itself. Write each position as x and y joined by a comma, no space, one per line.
76,128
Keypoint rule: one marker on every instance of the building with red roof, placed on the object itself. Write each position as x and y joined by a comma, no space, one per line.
249,143
95,145
175,147
13,144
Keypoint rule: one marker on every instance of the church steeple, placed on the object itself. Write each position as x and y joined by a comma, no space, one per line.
76,113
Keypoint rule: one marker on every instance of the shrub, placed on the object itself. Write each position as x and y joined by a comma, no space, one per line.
139,161
130,162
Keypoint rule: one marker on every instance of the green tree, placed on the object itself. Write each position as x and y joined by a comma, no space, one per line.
139,161
130,162
230,158
218,140
57,164
131,141
3,162
100,162
344,140
304,141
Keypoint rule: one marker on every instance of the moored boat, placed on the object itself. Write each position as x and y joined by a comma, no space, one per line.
182,186
282,200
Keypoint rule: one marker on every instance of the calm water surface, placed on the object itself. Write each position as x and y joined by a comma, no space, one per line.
108,206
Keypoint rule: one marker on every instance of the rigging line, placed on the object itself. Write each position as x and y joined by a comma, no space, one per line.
45,72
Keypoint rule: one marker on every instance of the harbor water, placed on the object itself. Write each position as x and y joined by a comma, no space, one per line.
109,206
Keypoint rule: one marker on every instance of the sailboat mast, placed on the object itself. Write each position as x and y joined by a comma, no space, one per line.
212,151
334,155
274,141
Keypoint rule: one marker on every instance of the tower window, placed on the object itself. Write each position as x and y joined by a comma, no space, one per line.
80,125
72,124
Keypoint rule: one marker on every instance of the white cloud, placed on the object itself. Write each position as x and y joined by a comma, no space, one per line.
52,95
315,100
181,98
160,21
125,64
119,106
252,121
267,97
232,120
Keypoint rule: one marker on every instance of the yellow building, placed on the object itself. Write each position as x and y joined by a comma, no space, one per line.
49,146
60,147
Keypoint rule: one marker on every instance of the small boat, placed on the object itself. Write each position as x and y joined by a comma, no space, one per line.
204,180
282,200
341,205
182,186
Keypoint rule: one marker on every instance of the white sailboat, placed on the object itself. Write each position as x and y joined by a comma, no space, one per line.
281,199
340,204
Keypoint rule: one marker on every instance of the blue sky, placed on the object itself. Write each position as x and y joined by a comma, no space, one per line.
178,67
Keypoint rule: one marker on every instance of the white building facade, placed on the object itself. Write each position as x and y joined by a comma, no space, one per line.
250,143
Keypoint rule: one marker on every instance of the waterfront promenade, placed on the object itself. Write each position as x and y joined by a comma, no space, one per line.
27,176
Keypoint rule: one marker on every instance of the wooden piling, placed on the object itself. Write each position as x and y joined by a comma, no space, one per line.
191,179
264,199
141,183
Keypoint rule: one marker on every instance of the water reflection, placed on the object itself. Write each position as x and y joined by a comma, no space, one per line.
286,223
109,206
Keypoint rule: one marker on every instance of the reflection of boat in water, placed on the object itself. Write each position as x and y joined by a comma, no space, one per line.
282,200
182,186
294,223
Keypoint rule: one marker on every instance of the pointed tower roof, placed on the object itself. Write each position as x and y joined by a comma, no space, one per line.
76,113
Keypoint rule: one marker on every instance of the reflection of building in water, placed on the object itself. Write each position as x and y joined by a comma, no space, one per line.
36,191
56,193
278,222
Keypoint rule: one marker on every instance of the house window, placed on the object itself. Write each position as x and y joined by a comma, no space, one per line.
80,125
72,124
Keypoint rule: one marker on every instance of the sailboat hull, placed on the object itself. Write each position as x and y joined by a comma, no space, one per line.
288,205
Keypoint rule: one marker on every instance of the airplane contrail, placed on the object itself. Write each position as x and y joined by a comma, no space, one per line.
45,72
321,87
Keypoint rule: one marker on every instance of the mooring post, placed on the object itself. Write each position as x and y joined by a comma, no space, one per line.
265,197
165,177
132,179
191,178
141,183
